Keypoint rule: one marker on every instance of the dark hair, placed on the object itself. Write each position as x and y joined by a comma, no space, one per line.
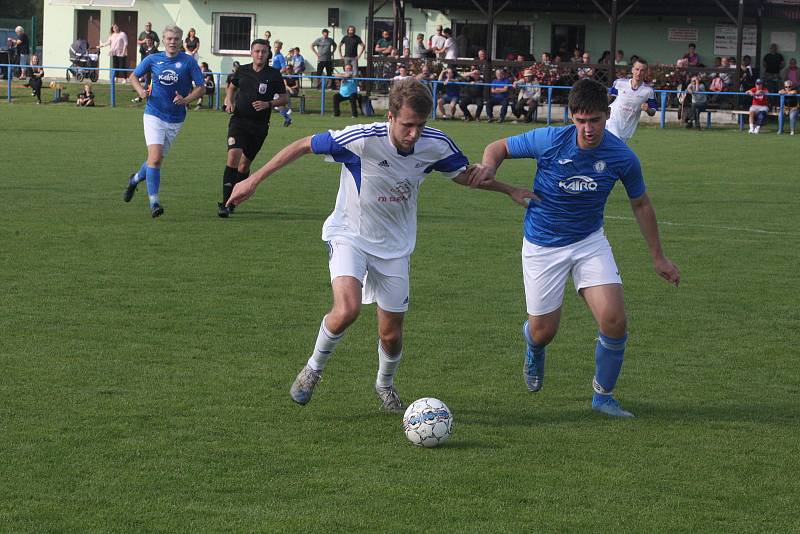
641,60
588,96
259,42
692,45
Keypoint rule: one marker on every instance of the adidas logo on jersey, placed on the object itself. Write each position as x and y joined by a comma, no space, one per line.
418,165
383,163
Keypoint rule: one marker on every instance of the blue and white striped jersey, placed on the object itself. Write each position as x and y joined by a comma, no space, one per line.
376,208
627,107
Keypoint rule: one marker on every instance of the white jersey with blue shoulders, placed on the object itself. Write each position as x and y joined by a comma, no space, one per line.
170,75
572,183
627,107
376,208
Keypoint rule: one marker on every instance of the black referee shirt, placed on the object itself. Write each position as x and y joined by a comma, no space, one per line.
262,85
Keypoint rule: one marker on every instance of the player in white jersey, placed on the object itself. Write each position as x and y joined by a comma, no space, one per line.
631,97
372,230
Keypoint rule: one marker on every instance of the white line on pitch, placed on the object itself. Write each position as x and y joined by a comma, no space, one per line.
733,228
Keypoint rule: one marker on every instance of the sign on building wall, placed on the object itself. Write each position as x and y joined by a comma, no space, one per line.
786,41
725,40
688,35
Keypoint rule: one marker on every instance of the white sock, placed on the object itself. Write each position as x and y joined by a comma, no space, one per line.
323,348
387,367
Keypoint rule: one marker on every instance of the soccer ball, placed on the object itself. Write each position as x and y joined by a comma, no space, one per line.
427,422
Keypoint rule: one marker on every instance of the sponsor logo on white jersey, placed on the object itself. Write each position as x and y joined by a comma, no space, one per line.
577,184
168,77
383,163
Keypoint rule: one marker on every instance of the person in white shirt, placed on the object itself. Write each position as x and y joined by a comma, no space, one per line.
450,47
437,42
372,231
632,96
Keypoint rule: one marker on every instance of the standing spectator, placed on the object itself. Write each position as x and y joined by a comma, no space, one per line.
348,90
529,96
35,80
192,44
142,40
267,37
117,44
448,79
418,51
472,94
323,47
691,57
150,48
278,59
791,73
85,98
22,45
351,47
499,94
577,56
759,107
773,65
437,42
384,44
699,101
210,85
450,48
791,104
620,61
298,62
482,55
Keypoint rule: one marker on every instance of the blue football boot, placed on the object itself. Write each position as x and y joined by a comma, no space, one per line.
533,369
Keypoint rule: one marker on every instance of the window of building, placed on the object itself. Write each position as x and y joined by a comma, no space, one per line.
513,39
233,33
470,36
380,24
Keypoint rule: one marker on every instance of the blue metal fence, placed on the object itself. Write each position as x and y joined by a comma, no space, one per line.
663,93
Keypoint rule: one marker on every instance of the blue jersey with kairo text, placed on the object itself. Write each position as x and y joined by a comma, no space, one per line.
573,183
170,75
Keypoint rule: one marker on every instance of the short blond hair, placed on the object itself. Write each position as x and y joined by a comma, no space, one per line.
412,93
172,28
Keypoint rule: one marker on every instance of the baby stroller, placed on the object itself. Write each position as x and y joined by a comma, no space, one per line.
83,61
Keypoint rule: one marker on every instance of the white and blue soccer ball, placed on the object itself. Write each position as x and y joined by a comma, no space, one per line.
428,422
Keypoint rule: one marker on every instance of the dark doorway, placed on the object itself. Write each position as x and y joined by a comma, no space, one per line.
471,37
565,38
128,22
513,39
88,26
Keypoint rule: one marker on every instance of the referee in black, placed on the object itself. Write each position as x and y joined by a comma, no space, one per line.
258,88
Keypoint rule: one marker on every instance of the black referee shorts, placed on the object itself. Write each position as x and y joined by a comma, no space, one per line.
247,135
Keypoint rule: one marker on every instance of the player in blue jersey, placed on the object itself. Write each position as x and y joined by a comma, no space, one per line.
372,230
173,73
577,166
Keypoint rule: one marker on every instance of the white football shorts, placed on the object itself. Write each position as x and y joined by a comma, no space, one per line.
158,132
385,282
545,270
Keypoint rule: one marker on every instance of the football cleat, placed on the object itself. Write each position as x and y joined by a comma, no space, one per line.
303,386
130,189
287,121
222,210
156,210
390,399
533,368
608,405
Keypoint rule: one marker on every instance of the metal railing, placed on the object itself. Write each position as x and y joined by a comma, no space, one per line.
549,90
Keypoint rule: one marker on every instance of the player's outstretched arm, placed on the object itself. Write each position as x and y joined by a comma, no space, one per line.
520,195
493,156
245,189
646,218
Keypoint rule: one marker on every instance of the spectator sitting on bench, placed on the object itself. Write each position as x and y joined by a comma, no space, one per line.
791,104
348,90
760,106
699,101
85,98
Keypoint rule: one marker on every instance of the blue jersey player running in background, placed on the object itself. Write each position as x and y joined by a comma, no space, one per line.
173,73
577,166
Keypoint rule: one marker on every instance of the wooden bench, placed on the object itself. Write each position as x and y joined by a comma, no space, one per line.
741,114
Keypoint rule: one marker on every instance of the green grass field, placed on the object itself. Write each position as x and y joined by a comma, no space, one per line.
145,365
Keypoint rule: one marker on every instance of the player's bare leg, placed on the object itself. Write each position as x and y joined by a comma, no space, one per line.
390,352
343,313
607,304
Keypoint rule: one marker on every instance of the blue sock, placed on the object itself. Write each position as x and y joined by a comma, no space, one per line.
140,175
153,183
608,356
538,350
